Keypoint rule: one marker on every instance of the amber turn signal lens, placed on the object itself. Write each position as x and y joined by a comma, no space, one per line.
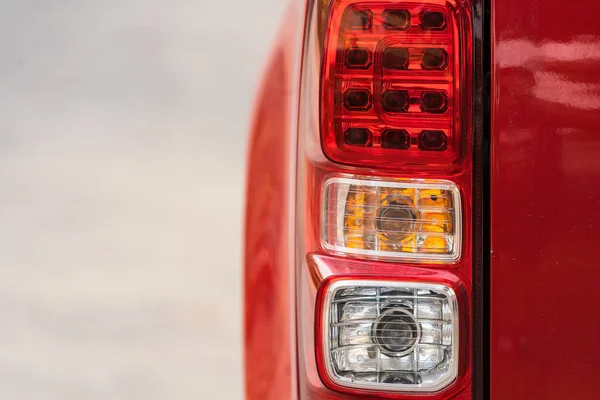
395,219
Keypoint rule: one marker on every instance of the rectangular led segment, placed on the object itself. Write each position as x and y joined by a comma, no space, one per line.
396,336
391,83
399,219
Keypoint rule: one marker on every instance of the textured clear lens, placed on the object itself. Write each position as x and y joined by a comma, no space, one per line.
391,336
394,219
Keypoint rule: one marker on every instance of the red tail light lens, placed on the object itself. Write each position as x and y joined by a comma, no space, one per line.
393,67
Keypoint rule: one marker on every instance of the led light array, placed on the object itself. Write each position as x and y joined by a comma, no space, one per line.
388,84
394,97
391,335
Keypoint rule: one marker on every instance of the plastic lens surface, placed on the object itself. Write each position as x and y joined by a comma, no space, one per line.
403,59
413,220
396,336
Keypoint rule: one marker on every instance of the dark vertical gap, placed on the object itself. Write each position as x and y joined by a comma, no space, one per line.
487,123
481,201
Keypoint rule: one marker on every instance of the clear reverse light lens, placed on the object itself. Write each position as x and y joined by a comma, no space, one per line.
395,336
413,220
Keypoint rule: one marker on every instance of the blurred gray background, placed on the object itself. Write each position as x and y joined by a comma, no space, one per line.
123,129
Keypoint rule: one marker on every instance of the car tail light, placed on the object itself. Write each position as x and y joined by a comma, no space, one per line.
409,220
384,200
391,84
390,335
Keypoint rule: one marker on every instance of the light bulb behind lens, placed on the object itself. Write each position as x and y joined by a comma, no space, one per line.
396,219
396,332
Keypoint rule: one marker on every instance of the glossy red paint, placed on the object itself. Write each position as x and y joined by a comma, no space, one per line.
268,288
545,212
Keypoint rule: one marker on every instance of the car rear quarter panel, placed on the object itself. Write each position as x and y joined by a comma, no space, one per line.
545,211
268,276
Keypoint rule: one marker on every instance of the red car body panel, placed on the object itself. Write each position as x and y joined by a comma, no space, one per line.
268,281
545,208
